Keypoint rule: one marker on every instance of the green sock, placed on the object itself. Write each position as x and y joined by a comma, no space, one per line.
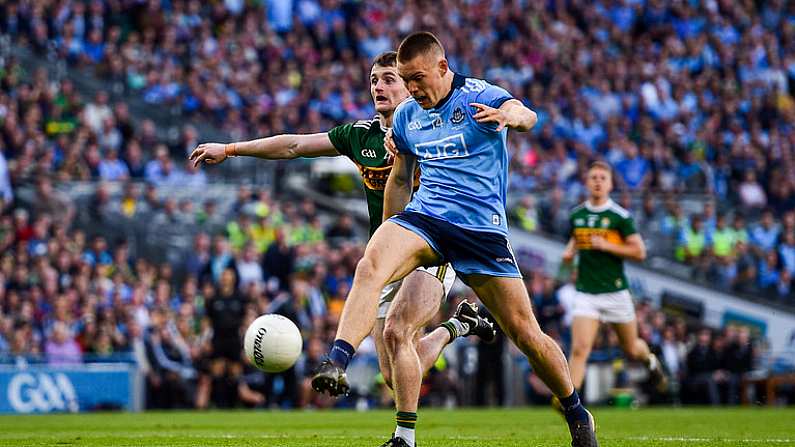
406,420
405,426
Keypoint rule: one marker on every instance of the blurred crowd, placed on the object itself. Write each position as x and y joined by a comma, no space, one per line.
750,255
680,97
49,130
677,96
66,298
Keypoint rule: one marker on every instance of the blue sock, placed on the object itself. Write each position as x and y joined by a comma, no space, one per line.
341,353
573,409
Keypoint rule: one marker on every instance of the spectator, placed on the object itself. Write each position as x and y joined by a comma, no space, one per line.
342,229
752,195
6,192
50,202
199,256
786,253
225,312
702,368
248,267
220,260
279,260
61,348
768,275
634,171
112,168
692,243
526,214
723,239
764,236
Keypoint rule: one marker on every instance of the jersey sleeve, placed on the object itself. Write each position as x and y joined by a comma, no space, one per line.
340,137
627,227
493,96
399,128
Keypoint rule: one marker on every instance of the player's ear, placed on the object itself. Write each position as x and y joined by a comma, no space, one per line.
443,67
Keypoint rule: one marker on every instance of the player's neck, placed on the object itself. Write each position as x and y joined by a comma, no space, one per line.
596,202
448,85
386,119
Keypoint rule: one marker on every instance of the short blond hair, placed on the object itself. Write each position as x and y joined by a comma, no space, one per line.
603,165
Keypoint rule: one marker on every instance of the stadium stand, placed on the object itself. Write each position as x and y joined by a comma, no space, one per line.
113,247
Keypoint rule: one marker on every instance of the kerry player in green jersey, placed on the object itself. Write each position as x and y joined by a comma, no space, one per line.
603,234
418,297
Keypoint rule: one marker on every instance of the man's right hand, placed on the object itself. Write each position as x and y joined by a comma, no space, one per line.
210,153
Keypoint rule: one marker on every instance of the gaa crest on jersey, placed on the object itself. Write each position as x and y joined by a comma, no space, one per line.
437,121
458,116
605,222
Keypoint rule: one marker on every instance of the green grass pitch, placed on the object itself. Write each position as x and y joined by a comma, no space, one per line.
493,428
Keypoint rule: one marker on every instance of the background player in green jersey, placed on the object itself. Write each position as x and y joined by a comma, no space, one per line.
419,295
603,234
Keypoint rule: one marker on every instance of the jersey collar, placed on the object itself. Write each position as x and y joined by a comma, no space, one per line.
458,82
378,120
598,209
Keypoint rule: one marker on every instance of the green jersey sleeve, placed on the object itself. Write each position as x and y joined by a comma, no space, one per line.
340,137
627,227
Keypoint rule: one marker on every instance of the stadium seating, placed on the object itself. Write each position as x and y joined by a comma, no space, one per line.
104,224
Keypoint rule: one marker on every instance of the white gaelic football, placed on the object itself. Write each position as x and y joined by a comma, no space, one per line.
273,343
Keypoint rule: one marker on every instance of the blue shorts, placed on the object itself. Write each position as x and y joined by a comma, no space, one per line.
470,252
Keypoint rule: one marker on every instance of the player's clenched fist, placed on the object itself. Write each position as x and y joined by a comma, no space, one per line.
389,144
210,153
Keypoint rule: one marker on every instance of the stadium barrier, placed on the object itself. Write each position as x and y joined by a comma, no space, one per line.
72,388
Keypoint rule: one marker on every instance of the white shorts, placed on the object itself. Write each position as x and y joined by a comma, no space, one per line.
444,273
611,307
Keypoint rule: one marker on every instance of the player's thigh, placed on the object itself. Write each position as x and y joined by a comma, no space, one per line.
583,334
508,301
393,252
417,301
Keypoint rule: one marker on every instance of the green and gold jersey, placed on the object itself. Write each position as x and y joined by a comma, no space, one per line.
363,143
599,271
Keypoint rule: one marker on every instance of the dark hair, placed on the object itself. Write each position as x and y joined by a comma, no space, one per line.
385,59
416,44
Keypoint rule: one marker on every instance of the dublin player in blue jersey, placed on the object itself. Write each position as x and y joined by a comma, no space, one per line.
455,129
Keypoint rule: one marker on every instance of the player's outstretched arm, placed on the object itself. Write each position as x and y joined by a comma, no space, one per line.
399,185
633,249
570,251
512,114
279,147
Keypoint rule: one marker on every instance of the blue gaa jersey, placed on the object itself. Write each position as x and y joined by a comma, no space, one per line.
463,163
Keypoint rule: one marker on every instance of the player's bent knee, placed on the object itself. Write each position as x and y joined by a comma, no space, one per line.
580,350
396,334
367,270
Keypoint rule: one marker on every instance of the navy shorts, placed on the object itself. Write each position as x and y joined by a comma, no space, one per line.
470,252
